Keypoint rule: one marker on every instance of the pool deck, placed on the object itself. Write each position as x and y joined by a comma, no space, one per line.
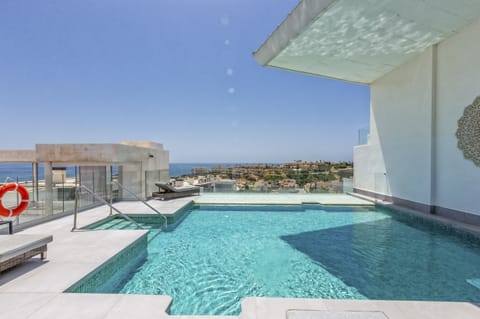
281,199
35,288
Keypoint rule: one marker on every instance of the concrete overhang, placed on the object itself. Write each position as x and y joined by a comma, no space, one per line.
17,156
89,154
97,154
361,40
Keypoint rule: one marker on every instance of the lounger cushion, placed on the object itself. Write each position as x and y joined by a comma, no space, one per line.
14,245
185,189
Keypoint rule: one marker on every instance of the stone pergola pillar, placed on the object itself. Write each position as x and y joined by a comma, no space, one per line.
130,176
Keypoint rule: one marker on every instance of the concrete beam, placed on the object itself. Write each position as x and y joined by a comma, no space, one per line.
102,154
17,156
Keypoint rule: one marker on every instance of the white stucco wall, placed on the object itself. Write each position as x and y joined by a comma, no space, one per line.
422,162
397,159
457,179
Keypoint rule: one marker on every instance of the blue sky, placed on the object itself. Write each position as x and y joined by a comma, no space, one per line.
178,72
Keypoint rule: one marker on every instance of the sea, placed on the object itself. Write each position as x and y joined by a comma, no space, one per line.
23,171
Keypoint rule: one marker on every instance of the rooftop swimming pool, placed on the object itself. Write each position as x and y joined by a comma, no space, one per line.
220,254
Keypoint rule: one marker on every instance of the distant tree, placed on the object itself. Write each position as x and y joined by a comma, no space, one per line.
348,172
291,173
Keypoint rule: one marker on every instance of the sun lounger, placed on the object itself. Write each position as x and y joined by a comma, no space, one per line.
15,249
168,192
10,225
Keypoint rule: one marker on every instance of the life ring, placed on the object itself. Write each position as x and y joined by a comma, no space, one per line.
25,197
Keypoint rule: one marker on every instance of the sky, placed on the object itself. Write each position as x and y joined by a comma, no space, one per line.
177,72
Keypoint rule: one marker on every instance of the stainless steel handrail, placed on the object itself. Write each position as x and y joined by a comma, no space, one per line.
77,193
144,202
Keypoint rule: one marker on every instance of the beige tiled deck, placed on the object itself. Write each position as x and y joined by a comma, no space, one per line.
257,308
35,289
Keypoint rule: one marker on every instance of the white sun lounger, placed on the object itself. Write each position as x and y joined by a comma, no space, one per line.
167,192
15,249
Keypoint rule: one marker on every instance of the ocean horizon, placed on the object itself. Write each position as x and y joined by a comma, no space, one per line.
23,171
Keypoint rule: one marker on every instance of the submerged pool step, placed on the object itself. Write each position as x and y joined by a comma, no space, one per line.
112,224
125,224
475,282
121,223
117,223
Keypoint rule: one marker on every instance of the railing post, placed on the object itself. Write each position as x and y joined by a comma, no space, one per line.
75,209
63,193
17,219
111,199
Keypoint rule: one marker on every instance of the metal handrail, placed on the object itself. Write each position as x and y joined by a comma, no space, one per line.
11,179
77,192
144,202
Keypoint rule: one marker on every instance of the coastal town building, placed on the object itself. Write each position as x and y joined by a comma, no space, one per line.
300,176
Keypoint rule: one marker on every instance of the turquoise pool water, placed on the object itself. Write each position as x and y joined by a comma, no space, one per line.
219,255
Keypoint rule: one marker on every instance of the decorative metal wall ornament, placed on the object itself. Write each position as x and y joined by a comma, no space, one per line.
468,132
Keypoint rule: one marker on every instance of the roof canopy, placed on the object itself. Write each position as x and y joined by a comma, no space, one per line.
360,41
87,154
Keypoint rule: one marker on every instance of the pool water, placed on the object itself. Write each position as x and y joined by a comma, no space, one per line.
219,255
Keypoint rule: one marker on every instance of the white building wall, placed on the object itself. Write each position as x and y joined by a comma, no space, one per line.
397,159
457,179
414,115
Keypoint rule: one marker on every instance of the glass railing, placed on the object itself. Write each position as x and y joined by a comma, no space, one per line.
347,185
326,184
363,135
59,199
153,176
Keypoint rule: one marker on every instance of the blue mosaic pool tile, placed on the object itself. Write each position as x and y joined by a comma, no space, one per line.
113,272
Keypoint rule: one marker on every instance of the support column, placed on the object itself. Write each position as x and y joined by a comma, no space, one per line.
131,178
47,170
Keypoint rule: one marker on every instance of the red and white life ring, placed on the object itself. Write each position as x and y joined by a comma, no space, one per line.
25,197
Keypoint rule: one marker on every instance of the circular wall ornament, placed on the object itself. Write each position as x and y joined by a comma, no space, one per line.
468,132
